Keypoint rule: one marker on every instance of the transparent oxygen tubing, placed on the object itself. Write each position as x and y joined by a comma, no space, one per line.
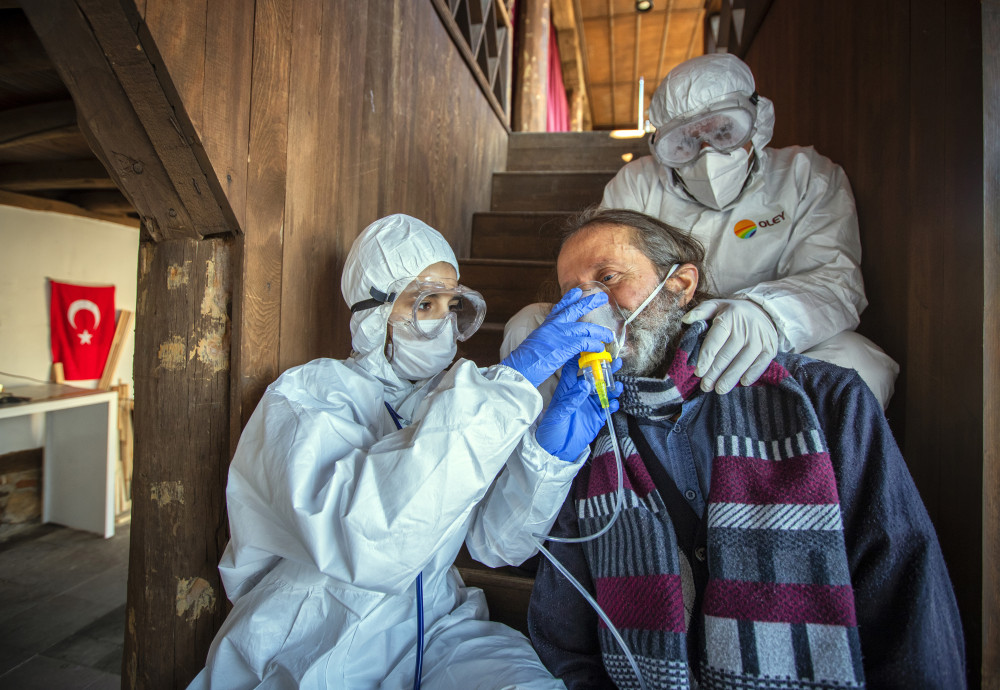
619,504
419,585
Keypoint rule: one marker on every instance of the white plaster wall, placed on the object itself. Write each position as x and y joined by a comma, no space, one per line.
36,246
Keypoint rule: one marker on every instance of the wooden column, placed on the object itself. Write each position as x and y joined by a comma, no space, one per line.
182,384
532,80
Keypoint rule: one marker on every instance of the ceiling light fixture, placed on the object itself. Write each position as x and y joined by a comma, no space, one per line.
643,5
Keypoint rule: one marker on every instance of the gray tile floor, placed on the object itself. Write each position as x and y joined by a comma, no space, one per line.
62,609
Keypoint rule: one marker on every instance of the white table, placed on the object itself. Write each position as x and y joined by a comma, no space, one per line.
80,453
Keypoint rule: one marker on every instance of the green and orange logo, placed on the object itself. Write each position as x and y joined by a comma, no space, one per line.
745,229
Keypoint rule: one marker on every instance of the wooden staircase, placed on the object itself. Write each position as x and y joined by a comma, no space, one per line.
512,263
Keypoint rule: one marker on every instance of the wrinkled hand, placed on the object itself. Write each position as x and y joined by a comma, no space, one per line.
560,337
574,416
741,342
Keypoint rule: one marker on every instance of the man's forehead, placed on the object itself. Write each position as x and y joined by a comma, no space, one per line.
594,248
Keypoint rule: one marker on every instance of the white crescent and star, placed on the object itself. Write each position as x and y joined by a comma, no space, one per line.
83,305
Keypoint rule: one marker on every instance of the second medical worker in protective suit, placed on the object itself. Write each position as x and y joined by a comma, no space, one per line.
779,227
334,512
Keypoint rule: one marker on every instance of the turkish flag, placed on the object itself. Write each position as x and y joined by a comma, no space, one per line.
83,326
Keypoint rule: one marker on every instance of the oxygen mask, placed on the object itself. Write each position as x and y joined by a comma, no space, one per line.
596,366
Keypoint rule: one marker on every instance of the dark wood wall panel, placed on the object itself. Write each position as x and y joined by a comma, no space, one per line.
892,92
384,117
207,46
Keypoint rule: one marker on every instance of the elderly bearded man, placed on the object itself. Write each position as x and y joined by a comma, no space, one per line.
772,536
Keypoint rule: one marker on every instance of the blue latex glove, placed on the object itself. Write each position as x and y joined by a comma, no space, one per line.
574,416
739,346
560,337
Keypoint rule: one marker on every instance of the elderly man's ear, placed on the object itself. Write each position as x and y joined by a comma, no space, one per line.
685,280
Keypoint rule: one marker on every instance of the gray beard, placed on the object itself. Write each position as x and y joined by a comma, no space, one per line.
649,337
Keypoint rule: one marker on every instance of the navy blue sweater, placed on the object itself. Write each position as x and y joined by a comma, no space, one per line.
911,636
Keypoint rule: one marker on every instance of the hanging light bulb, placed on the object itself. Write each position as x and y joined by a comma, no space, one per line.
643,5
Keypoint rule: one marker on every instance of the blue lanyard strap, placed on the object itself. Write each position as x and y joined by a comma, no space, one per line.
420,591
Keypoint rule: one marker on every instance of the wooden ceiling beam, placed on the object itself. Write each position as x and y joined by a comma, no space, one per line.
37,203
36,123
132,115
611,56
109,202
49,175
663,44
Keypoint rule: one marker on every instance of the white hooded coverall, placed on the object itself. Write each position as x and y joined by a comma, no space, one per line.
801,264
333,512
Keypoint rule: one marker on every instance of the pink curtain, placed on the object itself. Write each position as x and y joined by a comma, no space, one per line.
558,105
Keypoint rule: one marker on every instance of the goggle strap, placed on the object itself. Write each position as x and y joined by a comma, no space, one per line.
377,298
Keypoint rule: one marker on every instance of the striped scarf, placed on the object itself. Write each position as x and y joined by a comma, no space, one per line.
778,609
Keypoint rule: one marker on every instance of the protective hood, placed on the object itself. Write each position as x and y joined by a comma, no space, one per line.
695,85
389,249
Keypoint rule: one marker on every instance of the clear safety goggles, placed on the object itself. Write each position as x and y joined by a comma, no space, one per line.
727,126
429,305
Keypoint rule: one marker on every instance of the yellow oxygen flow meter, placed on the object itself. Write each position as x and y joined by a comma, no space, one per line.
596,368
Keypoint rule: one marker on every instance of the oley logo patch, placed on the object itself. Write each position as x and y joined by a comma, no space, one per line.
745,229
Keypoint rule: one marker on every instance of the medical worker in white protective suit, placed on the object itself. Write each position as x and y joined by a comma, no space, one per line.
779,227
334,512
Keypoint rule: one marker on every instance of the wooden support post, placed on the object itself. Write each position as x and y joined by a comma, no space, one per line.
182,375
532,85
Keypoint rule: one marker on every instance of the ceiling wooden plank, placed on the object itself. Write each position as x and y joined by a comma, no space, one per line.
663,44
109,202
36,203
611,56
578,17
32,124
48,175
635,66
695,34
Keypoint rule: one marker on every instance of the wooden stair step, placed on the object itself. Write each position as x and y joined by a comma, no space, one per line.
571,151
508,285
530,236
548,191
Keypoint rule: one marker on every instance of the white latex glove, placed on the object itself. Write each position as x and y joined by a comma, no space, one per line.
741,342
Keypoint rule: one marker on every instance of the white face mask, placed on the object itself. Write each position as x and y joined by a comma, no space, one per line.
415,357
638,310
716,179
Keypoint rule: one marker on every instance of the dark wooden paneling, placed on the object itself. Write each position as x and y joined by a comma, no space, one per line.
385,117
206,47
991,345
257,301
175,598
857,80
